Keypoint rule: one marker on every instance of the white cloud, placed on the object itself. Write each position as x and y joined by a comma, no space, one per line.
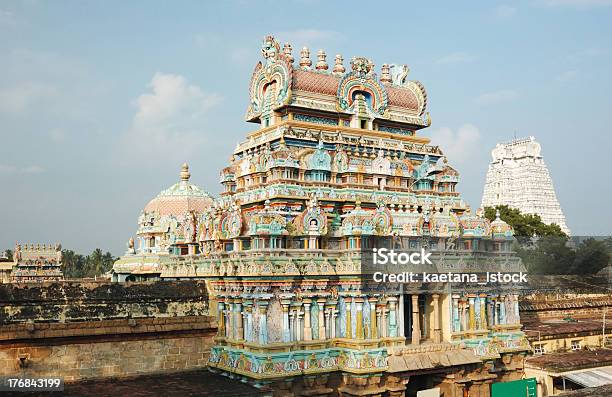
170,120
19,98
456,57
459,146
495,97
576,3
307,37
9,169
505,11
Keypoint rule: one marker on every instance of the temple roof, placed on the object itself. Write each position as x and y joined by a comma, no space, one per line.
180,198
281,81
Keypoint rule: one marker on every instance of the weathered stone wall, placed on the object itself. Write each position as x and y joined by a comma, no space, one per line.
97,352
94,330
74,301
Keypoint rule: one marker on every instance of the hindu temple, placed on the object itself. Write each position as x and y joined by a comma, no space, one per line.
36,263
335,161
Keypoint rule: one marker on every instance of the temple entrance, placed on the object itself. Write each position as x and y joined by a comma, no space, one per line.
421,383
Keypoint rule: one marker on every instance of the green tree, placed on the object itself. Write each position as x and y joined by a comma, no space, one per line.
9,254
525,225
549,255
94,264
591,256
73,264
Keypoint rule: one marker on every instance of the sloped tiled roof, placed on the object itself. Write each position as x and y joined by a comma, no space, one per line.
320,83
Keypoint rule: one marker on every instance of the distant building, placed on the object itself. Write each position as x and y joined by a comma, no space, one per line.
519,178
37,263
6,267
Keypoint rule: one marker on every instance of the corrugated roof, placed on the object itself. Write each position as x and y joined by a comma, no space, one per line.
592,378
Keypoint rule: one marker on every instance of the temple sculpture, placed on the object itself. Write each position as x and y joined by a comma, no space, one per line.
336,164
518,177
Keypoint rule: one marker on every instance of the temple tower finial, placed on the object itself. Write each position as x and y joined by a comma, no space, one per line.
305,61
185,175
339,67
322,63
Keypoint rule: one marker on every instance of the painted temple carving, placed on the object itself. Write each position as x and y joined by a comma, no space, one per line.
335,163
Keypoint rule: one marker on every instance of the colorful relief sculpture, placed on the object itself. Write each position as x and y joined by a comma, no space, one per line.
335,164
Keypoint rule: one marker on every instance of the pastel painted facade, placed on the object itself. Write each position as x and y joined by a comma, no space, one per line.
37,263
167,225
518,177
335,163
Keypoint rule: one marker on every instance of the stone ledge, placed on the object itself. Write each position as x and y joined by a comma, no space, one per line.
30,331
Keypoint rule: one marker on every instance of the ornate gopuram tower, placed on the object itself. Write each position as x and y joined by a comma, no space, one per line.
336,160
336,163
518,177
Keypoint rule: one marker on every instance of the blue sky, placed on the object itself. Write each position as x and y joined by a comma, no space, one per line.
100,102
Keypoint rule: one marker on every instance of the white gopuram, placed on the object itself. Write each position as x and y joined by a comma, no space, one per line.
518,177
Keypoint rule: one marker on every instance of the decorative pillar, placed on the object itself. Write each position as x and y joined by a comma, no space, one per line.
349,322
416,327
293,325
455,310
483,311
437,335
358,318
472,316
248,326
229,326
286,328
239,324
383,324
307,328
373,319
477,312
333,313
298,336
379,322
400,316
502,309
465,315
327,324
496,310
221,317
321,302
517,316
263,325
392,316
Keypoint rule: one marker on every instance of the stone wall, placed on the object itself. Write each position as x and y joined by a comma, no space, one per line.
74,301
95,330
102,349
